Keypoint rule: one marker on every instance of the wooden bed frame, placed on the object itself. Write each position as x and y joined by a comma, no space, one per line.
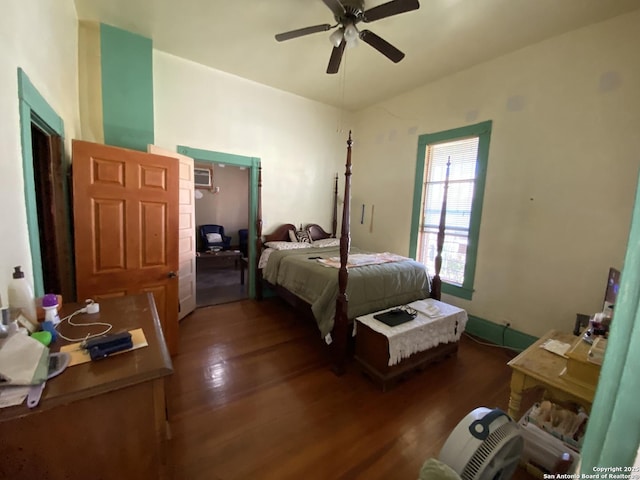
341,329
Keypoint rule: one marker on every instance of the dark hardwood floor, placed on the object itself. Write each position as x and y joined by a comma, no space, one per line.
252,397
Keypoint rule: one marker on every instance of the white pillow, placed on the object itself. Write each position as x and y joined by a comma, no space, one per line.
214,237
287,245
326,242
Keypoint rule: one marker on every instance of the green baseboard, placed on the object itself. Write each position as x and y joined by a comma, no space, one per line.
498,334
478,327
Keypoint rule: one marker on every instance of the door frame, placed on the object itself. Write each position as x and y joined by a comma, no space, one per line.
253,164
34,109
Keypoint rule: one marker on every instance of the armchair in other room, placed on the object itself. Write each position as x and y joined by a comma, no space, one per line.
243,239
213,236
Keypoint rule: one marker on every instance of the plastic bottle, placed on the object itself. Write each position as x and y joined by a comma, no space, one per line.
21,296
50,307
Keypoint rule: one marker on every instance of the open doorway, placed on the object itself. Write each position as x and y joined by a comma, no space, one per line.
50,178
46,189
222,222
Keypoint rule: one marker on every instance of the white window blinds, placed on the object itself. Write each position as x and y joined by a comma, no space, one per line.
463,156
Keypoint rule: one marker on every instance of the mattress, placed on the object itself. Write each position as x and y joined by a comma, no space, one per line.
370,287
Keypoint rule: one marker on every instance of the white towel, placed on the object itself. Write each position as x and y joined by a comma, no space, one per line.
23,360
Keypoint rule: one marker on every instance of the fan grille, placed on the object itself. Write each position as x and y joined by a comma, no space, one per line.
489,447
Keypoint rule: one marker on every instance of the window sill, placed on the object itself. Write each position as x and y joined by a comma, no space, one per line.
457,291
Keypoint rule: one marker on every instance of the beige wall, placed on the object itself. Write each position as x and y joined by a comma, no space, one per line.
228,207
562,173
295,138
40,36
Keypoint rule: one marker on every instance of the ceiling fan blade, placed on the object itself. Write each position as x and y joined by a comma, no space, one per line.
300,32
336,7
384,47
390,8
336,58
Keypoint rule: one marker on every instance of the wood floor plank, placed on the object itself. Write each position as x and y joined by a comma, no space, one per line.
253,397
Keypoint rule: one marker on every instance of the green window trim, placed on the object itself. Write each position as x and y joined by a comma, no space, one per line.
483,131
34,109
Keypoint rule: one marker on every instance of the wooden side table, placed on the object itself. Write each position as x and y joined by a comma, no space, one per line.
537,367
221,258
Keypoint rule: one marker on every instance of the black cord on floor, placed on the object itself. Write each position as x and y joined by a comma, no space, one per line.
492,344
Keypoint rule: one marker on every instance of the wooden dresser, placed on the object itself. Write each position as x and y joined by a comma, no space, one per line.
104,419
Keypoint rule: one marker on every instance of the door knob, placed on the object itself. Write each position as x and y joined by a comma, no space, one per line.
172,275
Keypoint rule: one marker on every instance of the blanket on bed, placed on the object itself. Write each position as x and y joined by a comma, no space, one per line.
370,288
362,259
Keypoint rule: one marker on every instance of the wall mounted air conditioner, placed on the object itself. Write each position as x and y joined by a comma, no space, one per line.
203,177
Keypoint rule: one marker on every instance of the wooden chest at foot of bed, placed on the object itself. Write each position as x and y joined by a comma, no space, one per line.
372,354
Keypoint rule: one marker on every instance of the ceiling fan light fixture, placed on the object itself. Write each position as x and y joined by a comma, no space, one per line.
336,37
348,14
351,34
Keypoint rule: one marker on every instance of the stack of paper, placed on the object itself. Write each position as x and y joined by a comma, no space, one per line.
557,347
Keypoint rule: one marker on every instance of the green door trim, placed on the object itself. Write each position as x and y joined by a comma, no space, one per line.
253,164
34,109
613,431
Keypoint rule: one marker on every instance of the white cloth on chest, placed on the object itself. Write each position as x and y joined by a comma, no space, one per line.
429,329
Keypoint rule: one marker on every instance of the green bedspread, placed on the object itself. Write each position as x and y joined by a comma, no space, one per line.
370,288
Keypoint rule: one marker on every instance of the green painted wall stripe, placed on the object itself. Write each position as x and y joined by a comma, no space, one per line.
34,108
127,88
253,164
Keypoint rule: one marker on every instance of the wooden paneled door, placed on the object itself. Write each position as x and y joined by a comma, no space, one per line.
186,232
125,206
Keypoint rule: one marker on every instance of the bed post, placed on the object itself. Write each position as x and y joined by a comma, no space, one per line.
334,223
258,276
436,283
340,327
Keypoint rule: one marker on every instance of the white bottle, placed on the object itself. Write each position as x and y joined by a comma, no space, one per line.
50,307
21,296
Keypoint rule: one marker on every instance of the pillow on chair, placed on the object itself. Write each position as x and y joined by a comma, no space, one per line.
214,237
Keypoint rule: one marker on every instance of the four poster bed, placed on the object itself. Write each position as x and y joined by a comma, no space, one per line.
312,270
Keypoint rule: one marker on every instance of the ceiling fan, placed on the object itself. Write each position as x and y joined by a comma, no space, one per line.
348,14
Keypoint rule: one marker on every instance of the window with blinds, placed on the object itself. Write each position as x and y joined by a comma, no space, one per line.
460,157
465,151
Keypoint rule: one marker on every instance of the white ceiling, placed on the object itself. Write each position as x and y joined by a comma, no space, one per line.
442,37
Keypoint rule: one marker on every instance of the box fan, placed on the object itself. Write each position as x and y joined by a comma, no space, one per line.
485,445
